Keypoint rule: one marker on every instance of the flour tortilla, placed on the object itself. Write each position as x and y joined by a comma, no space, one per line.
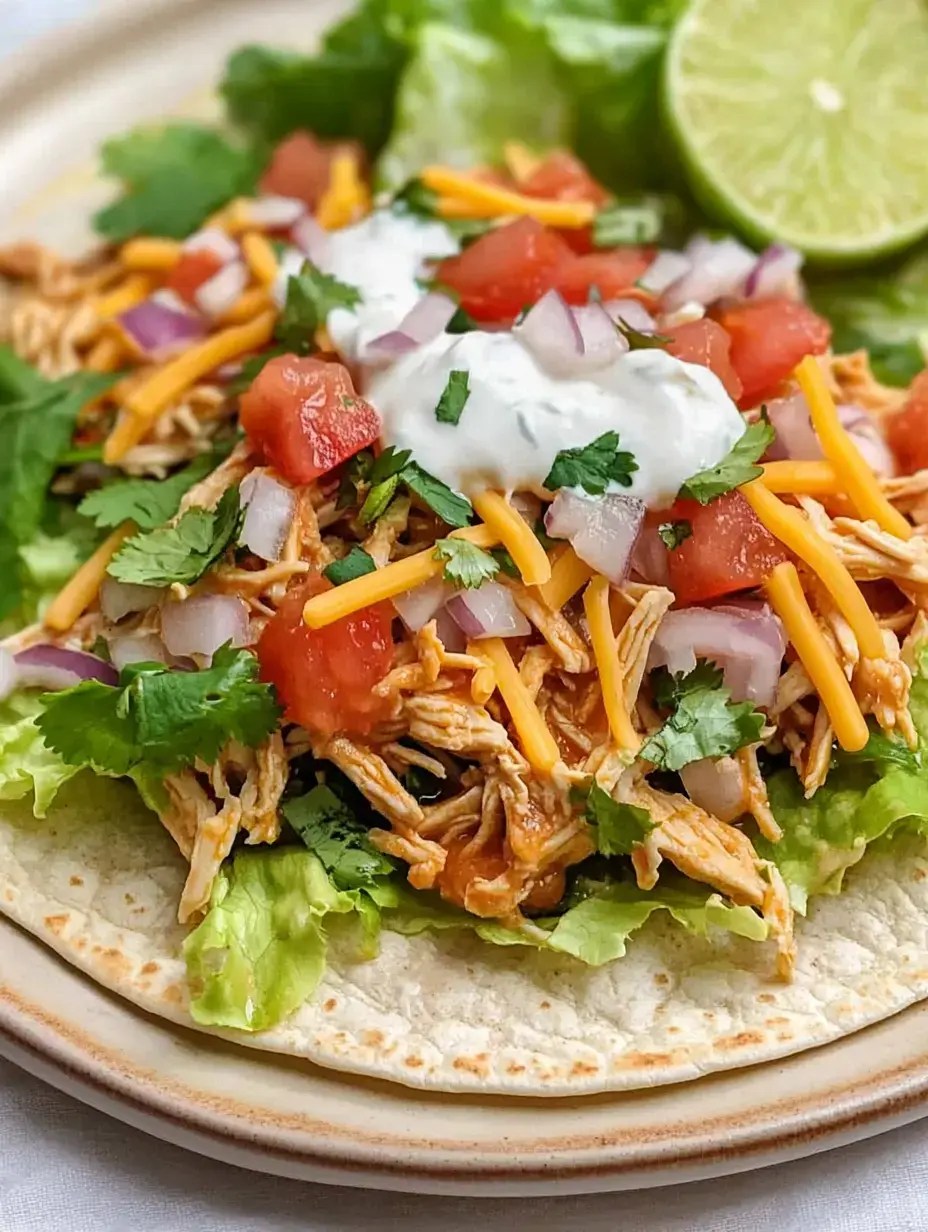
99,880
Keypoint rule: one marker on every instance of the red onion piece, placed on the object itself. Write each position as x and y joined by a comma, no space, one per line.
159,330
795,436
527,506
774,273
56,667
720,268
649,559
200,625
488,611
633,314
865,431
602,530
416,607
130,648
551,333
214,240
602,343
311,238
118,599
9,677
269,509
449,632
289,266
221,292
423,323
716,784
666,269
745,641
275,213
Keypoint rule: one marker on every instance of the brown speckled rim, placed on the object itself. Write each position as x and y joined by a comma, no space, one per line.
254,1137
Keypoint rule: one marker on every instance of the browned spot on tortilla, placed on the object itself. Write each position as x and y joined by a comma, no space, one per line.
744,1039
661,979
80,943
779,1021
673,1030
77,881
8,895
919,874
173,994
414,1062
150,968
708,1015
545,1005
56,923
329,1005
783,1036
583,1069
373,1039
767,998
114,962
515,1068
473,1065
643,1060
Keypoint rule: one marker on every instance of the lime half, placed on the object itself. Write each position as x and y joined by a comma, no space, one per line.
807,120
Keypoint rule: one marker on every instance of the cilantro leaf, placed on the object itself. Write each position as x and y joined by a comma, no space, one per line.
147,502
175,177
617,828
466,565
355,473
311,296
705,721
390,469
674,533
160,719
388,463
883,750
377,500
182,552
641,340
332,832
454,398
737,467
356,564
454,510
592,467
251,369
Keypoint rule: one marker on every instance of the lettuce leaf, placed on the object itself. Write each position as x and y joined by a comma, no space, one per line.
26,763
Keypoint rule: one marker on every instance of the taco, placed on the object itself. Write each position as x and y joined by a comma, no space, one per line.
453,633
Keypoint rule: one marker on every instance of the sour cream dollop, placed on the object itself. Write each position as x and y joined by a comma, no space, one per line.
382,256
674,417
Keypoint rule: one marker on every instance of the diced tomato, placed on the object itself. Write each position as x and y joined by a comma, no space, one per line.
729,549
462,867
325,677
505,270
304,413
705,342
563,177
191,271
300,166
907,430
613,273
768,339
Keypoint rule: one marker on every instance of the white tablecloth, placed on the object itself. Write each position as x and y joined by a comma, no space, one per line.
66,1168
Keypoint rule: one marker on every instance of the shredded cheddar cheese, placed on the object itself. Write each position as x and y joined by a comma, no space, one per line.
856,477
145,404
392,579
489,200
233,218
76,597
125,296
810,478
791,527
248,305
605,651
538,745
150,255
516,537
347,196
568,575
790,604
259,257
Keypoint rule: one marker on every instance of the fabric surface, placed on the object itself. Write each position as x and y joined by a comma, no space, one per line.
67,1168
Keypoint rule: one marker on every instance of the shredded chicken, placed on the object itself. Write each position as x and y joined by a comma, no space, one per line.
650,604
554,627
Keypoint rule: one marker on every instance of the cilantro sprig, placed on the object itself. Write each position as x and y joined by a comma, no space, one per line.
355,564
616,828
641,340
737,467
466,565
704,722
161,719
311,296
146,502
592,467
182,552
394,467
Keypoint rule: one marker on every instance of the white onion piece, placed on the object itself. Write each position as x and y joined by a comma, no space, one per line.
716,784
9,677
746,642
631,313
289,266
221,292
602,343
56,667
118,599
274,213
269,509
200,625
214,240
649,559
551,333
720,268
865,431
311,238
136,648
159,330
795,437
775,272
416,607
602,530
666,269
488,611
449,632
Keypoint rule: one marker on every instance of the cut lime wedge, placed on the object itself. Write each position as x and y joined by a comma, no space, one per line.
806,120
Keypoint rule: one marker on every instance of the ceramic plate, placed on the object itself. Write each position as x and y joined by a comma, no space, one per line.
58,99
